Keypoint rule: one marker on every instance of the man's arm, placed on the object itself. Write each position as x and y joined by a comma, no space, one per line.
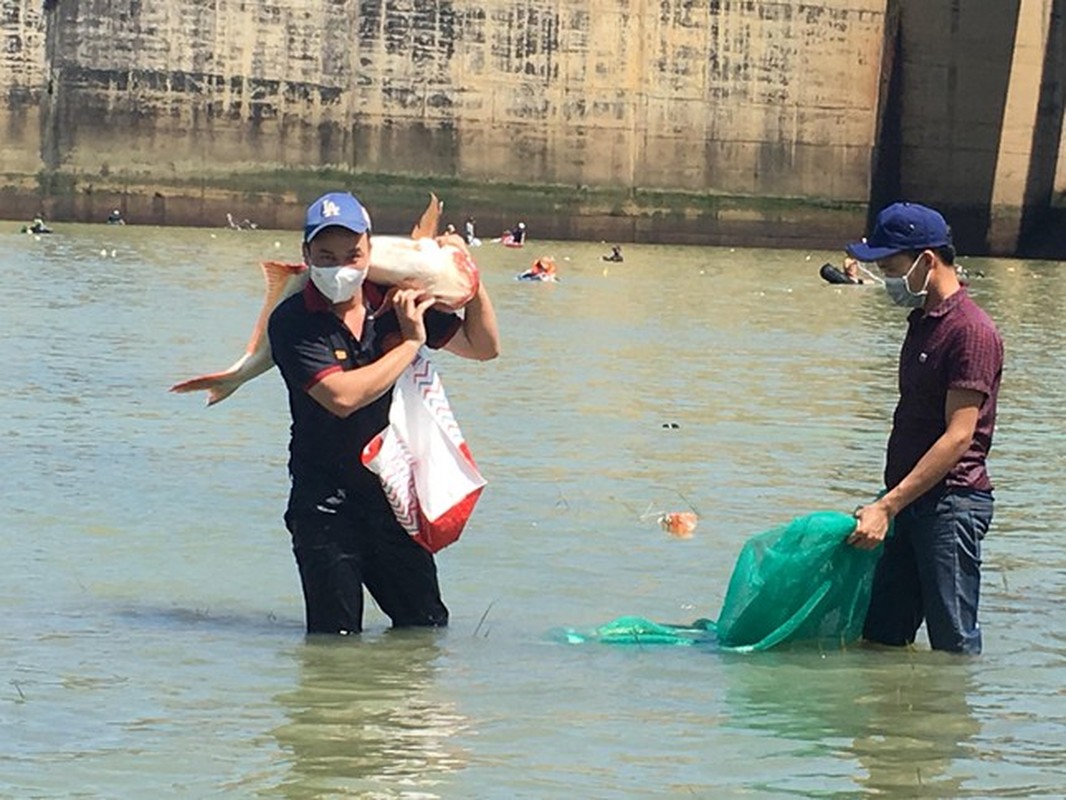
345,392
478,338
962,408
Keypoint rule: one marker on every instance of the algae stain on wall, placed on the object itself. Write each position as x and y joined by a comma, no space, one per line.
732,97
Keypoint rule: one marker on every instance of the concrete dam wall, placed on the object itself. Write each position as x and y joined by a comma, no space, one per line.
718,121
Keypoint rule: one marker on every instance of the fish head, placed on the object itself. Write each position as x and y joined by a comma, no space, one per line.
464,266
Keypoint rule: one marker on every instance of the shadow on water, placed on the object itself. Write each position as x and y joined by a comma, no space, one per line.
183,619
363,718
896,723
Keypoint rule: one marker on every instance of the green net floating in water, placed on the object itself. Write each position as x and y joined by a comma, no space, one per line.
798,582
638,630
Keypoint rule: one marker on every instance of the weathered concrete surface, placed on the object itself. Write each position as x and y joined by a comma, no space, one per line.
1014,188
596,118
179,109
955,74
23,82
980,128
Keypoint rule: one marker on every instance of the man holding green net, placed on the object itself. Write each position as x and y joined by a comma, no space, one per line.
938,490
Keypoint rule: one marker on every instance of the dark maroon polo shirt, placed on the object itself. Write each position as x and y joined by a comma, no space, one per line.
308,342
954,346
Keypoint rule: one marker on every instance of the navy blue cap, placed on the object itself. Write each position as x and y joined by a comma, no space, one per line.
340,209
902,227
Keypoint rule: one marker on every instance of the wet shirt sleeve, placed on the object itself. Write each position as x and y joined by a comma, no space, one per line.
440,328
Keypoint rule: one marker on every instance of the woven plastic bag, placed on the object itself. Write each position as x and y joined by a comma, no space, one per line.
423,462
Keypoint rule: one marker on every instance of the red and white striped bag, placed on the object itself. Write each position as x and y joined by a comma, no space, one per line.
425,467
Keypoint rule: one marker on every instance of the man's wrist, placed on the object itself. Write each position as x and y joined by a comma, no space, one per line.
890,504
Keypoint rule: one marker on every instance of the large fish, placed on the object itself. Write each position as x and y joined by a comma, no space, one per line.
441,266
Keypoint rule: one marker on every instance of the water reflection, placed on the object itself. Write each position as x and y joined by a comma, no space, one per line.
782,392
903,719
364,718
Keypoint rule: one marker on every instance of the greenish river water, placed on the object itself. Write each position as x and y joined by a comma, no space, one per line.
151,639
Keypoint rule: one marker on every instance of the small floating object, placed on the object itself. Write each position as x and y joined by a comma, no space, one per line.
679,524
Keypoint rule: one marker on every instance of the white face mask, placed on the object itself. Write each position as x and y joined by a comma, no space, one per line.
899,289
338,284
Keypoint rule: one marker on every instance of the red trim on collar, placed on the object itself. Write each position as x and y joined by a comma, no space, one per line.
314,300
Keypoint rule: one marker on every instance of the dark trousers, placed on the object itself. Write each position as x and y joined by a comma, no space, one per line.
339,553
931,570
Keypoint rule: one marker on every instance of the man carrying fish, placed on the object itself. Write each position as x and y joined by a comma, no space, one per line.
341,343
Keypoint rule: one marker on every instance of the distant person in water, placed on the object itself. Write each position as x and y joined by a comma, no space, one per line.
244,225
115,218
616,254
543,269
851,270
468,231
518,233
544,266
37,226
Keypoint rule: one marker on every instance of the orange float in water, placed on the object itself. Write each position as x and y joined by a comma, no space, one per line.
679,524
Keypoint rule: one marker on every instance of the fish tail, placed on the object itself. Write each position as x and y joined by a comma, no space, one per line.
218,385
430,219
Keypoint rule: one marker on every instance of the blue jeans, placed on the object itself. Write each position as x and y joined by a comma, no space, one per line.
931,570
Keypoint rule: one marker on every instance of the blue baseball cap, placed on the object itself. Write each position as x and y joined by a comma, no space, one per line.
899,228
340,209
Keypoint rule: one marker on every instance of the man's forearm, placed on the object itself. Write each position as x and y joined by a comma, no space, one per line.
479,326
928,472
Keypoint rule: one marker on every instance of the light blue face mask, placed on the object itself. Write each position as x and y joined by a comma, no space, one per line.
899,289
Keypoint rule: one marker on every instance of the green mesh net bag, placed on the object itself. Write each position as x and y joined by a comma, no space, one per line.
798,582
637,630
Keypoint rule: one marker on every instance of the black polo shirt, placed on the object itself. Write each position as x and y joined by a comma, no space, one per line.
308,341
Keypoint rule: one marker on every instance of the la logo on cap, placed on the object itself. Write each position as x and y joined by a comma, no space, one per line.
330,209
